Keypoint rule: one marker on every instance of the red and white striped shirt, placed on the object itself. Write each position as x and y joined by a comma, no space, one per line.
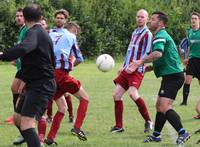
139,46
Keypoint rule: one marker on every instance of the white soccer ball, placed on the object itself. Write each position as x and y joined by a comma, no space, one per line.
105,62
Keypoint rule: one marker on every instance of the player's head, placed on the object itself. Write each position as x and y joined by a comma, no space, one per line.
195,19
141,18
19,17
158,20
43,22
61,17
73,27
32,13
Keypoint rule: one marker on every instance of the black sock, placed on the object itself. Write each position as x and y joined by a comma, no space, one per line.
175,121
19,130
186,91
15,97
159,123
31,137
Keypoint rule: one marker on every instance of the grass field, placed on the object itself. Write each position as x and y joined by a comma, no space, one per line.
100,116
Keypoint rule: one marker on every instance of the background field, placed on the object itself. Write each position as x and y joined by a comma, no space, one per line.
100,117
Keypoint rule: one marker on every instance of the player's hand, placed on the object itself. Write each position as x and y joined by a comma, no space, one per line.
133,66
185,62
148,68
13,63
1,53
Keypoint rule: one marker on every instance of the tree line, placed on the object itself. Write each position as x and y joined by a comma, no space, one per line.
106,25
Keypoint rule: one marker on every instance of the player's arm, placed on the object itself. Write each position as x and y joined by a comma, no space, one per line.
76,53
157,52
27,45
146,59
13,62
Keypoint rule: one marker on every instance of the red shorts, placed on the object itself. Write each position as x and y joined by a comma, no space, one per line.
65,83
126,80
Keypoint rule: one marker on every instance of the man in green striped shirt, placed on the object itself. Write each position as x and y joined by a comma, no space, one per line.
193,57
18,83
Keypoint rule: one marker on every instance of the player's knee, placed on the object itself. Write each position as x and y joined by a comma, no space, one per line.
62,109
134,96
116,96
85,98
14,88
27,123
188,79
16,120
198,109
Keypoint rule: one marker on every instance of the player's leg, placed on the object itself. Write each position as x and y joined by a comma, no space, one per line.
159,120
134,82
42,125
197,110
14,88
186,89
17,117
134,95
190,72
70,106
49,111
34,106
118,108
121,87
81,113
175,120
167,94
57,119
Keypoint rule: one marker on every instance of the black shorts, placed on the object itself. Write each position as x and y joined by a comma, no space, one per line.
19,75
37,96
170,85
193,68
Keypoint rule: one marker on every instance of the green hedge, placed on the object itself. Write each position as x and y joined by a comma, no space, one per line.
106,25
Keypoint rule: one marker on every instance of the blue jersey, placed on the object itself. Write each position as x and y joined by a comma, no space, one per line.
65,46
139,46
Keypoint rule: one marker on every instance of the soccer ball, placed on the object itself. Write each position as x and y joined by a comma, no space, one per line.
105,62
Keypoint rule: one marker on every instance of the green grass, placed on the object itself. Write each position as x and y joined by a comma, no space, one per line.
100,116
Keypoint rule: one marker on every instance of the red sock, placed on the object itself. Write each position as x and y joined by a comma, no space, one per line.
119,114
69,105
49,109
42,128
55,125
81,113
143,109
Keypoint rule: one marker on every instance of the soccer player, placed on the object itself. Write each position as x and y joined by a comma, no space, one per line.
37,46
139,46
44,24
74,29
65,46
166,64
193,57
18,80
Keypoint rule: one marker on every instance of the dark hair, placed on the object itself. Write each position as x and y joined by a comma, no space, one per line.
72,24
161,16
32,12
196,13
62,11
19,10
